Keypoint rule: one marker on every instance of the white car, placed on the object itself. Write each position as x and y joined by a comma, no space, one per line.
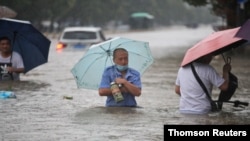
80,37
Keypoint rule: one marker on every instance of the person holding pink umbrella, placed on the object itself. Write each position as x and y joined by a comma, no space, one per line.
193,99
196,77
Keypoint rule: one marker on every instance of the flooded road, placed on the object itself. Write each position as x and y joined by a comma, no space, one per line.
39,113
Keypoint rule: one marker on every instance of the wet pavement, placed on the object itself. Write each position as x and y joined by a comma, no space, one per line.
40,113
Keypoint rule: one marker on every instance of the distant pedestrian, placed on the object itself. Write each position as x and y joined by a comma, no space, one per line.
11,62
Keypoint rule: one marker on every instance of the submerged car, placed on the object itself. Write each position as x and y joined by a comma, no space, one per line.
80,37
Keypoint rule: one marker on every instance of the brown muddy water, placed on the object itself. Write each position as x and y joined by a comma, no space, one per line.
40,113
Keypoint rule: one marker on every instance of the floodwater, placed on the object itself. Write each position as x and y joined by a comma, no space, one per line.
39,113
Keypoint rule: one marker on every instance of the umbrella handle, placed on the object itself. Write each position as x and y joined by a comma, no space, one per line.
228,60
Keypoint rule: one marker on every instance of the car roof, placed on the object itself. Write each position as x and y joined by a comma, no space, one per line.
93,29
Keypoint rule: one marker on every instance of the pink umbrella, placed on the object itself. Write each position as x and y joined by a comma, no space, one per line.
218,42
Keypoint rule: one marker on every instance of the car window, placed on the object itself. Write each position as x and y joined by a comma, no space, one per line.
79,35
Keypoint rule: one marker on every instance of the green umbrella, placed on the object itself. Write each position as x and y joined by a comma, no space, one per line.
88,70
142,15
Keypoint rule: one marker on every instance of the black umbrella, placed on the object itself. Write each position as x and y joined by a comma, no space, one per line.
244,31
30,43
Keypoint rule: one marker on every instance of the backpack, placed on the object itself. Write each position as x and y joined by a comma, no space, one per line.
226,95
232,86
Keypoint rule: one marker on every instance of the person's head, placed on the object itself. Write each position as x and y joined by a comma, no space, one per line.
5,46
120,58
205,59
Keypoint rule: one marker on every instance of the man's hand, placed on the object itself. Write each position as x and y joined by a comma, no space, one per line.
120,81
10,69
227,68
128,87
16,70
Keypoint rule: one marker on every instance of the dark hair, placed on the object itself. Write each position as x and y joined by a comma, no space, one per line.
5,38
204,59
119,49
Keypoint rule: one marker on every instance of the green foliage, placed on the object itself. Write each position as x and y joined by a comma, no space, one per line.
100,12
230,10
37,10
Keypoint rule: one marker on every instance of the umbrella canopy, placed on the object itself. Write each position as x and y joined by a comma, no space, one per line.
216,43
6,12
88,71
142,15
244,31
31,44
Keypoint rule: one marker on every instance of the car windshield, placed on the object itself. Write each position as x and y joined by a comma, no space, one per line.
79,35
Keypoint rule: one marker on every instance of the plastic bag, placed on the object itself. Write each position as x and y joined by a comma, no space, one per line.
7,94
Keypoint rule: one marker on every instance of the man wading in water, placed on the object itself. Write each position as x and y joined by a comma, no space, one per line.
11,63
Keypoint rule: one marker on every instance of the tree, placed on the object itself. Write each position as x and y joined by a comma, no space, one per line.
235,12
39,10
100,12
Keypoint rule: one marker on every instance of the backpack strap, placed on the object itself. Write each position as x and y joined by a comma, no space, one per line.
200,82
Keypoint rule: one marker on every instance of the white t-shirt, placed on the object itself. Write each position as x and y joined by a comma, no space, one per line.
16,61
193,98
